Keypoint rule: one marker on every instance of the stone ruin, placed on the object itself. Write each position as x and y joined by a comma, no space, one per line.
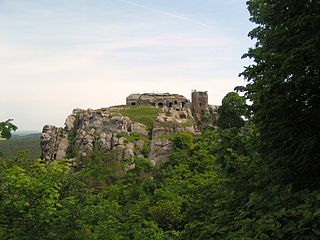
159,100
107,130
198,105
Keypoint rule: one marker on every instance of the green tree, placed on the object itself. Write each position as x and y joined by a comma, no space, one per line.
30,197
6,128
231,111
182,140
284,86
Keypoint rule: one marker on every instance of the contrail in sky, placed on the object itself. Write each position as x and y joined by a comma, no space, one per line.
173,15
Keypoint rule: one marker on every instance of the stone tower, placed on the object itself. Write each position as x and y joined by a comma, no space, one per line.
199,103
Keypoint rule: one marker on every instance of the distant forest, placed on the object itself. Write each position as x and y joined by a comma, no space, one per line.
29,143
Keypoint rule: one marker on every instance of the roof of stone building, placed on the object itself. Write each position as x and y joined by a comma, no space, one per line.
144,95
134,96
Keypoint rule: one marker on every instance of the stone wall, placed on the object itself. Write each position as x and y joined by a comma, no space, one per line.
199,102
176,101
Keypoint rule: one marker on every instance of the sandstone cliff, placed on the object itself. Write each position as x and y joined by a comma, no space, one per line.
116,130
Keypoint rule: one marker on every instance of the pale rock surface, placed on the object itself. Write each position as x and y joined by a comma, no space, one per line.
106,131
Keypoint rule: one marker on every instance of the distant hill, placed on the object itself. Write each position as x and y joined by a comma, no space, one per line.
17,143
24,133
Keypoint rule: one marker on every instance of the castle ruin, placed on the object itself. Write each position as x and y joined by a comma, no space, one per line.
106,129
199,101
158,100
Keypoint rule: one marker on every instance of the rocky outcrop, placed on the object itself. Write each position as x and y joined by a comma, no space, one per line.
54,143
107,130
168,122
88,130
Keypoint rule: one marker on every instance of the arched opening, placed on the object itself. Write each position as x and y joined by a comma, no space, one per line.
160,105
133,104
175,102
170,104
183,115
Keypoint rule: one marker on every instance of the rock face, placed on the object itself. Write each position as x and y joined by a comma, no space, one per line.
169,122
54,143
107,130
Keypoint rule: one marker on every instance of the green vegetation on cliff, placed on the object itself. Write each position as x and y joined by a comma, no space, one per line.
142,114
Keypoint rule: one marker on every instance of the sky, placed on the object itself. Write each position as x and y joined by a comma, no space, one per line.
57,55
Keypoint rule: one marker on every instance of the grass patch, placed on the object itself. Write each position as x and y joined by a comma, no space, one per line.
135,137
166,136
142,114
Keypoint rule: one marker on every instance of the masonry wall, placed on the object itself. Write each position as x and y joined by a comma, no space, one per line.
175,101
199,103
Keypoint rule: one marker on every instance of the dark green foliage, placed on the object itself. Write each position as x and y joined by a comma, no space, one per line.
6,128
215,186
52,201
167,214
284,86
182,140
72,147
225,192
232,111
72,135
30,192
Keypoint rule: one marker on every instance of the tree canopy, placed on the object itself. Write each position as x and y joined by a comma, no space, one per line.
284,86
6,128
231,111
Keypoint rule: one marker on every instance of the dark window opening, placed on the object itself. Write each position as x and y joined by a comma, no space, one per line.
200,104
182,115
160,105
133,104
182,104
177,109
175,102
170,104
